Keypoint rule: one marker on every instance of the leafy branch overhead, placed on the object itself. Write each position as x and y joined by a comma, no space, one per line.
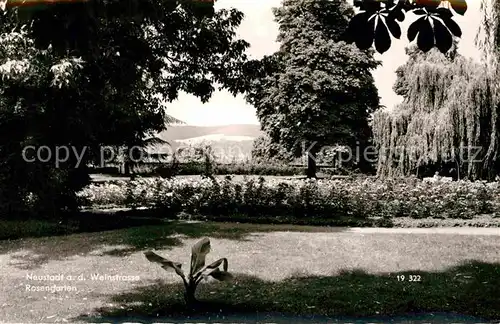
379,19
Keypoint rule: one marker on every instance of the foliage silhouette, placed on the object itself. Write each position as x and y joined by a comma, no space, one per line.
376,21
380,19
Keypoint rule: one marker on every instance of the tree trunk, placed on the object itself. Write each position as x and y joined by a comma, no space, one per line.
126,168
126,163
362,163
311,164
365,167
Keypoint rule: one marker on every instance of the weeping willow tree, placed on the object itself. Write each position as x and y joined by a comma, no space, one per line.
488,37
448,118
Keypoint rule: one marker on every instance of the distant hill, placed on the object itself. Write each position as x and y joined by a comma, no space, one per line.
228,141
181,132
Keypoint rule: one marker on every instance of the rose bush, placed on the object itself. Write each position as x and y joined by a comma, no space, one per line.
369,197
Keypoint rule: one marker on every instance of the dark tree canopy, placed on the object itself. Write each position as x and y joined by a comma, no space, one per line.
92,74
316,89
264,150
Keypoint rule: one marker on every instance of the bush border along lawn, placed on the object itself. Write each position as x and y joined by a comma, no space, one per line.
348,202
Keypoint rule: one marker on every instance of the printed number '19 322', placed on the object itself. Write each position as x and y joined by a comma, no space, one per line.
411,278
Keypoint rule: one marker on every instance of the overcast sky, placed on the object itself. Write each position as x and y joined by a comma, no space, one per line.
260,30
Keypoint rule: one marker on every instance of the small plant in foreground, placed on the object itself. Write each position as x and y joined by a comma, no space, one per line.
198,270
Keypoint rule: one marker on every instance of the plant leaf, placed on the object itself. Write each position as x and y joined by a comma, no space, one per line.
444,13
460,6
420,12
216,264
382,37
397,13
453,27
394,27
198,254
444,40
165,264
364,39
358,31
425,40
415,28
213,265
221,275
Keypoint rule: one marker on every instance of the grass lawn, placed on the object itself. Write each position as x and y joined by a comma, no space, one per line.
94,221
279,269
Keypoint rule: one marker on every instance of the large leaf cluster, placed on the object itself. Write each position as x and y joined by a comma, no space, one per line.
378,20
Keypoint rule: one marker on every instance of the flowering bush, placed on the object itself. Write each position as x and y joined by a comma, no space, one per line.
298,198
199,168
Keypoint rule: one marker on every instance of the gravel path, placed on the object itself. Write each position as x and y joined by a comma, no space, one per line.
270,256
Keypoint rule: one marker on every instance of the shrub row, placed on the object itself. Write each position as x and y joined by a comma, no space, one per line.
196,168
301,198
199,168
